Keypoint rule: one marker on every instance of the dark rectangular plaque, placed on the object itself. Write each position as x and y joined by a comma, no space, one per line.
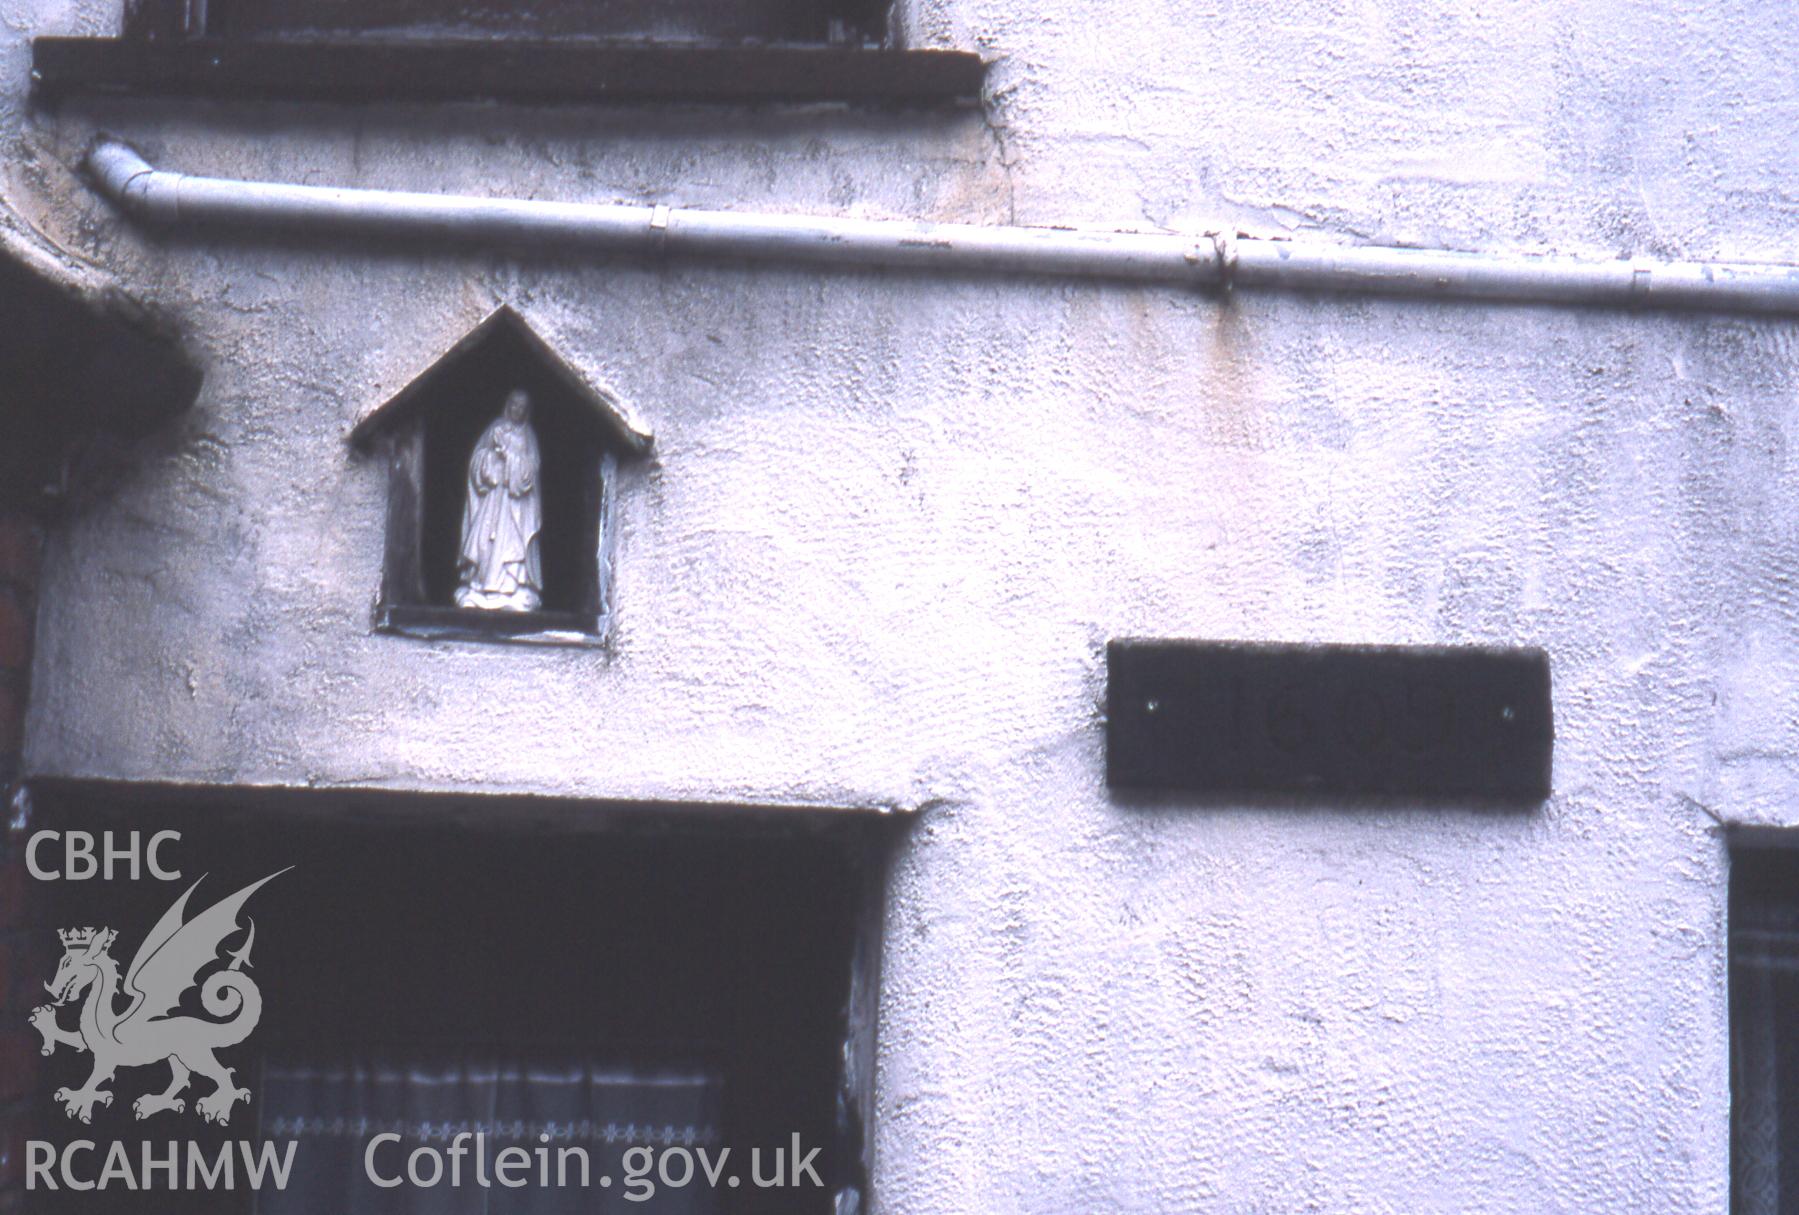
1399,721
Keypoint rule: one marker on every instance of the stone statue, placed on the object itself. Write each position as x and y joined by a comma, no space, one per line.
499,566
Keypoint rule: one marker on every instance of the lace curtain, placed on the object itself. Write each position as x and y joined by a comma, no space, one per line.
333,1110
1764,993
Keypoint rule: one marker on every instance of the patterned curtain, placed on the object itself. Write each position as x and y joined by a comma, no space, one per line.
543,1106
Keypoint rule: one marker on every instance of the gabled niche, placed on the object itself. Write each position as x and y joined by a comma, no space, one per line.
426,433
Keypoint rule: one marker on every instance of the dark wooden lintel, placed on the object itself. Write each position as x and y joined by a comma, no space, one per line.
364,70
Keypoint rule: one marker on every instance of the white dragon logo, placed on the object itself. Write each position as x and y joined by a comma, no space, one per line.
167,965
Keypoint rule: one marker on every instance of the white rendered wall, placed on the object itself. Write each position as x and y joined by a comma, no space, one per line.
891,521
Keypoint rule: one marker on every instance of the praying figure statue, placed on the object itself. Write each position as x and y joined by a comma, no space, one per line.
499,566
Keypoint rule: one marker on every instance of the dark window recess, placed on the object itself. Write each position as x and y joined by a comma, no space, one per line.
714,21
427,433
1764,1031
715,981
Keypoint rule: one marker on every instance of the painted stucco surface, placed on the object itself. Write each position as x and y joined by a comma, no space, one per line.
891,521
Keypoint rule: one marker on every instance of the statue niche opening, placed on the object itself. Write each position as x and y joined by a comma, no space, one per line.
503,462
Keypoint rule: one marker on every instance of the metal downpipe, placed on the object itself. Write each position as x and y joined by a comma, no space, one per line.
1208,259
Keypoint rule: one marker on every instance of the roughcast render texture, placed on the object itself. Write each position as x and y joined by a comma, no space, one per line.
891,521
